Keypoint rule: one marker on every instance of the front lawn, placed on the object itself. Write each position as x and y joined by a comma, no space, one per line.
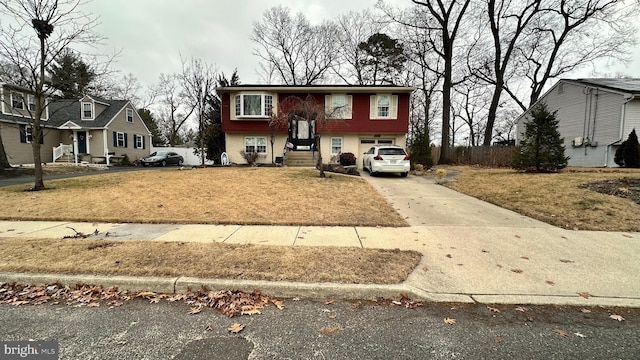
564,199
207,260
243,196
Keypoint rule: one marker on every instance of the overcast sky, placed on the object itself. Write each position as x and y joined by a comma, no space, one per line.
152,34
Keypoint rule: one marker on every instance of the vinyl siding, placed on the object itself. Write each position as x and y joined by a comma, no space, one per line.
584,112
22,153
120,124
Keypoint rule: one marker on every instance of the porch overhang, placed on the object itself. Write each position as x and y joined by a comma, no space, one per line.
70,125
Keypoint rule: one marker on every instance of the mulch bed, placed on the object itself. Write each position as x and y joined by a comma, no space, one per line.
628,188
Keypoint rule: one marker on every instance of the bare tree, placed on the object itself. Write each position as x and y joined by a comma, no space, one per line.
570,34
40,31
172,109
448,16
294,51
508,21
354,28
199,82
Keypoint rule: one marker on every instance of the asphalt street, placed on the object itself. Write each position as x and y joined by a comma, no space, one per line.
341,330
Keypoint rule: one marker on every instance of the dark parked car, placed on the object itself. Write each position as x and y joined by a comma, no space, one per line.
162,158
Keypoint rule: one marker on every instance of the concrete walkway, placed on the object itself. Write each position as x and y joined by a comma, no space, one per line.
472,252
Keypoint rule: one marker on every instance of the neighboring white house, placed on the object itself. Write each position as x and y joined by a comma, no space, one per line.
594,117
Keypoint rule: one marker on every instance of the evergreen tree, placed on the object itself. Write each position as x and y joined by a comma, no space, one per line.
384,58
541,149
212,132
70,75
152,125
420,150
628,154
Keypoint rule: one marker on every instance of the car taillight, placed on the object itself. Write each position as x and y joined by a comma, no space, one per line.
378,157
406,157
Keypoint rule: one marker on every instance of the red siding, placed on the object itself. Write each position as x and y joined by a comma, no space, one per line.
359,123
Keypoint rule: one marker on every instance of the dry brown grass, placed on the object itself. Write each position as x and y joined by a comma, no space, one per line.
211,260
554,198
248,196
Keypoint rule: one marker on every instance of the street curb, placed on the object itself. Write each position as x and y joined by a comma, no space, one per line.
314,291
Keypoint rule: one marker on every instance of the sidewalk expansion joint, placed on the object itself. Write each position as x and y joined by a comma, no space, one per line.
296,237
233,233
358,235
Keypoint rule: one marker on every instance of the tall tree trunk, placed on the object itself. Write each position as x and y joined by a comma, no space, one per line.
445,147
36,129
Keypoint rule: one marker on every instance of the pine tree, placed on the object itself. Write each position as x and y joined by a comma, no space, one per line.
542,148
420,150
628,154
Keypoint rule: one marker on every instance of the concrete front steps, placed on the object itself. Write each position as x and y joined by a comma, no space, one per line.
301,159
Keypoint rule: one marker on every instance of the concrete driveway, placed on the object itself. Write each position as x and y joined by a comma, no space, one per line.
496,255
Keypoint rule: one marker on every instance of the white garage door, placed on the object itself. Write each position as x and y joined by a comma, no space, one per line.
366,144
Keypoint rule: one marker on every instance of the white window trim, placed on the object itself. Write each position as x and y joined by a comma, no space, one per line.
21,102
82,104
255,144
28,133
129,111
31,100
263,111
119,139
139,142
345,113
393,107
341,145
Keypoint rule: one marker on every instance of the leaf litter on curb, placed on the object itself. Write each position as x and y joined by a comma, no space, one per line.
230,303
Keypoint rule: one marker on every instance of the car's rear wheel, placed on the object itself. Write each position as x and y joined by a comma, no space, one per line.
163,163
404,174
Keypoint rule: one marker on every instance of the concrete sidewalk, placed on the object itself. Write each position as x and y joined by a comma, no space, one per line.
472,252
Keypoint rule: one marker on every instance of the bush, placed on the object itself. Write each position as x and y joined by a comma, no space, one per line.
420,149
628,154
347,159
250,157
542,148
125,160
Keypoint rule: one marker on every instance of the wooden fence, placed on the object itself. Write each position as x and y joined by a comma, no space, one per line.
492,156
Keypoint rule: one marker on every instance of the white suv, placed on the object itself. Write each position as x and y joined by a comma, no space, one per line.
386,159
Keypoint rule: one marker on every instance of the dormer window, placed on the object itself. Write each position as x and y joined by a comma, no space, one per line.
87,111
130,115
17,100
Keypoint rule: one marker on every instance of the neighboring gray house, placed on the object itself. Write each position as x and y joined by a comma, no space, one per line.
90,129
594,117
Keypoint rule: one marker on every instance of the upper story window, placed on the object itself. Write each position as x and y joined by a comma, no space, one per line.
338,106
87,111
31,100
383,106
17,100
130,115
253,105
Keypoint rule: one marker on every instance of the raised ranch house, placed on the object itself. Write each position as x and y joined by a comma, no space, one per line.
594,117
87,130
360,117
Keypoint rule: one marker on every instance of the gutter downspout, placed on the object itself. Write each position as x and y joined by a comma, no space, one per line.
623,116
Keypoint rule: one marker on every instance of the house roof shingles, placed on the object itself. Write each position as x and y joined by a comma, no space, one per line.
61,111
625,85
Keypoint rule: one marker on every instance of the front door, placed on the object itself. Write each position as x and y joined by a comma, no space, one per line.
301,132
82,142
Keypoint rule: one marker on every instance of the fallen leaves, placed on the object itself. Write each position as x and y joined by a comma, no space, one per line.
549,282
585,294
236,328
230,303
566,261
493,309
449,321
331,330
195,310
616,317
561,332
517,271
521,309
